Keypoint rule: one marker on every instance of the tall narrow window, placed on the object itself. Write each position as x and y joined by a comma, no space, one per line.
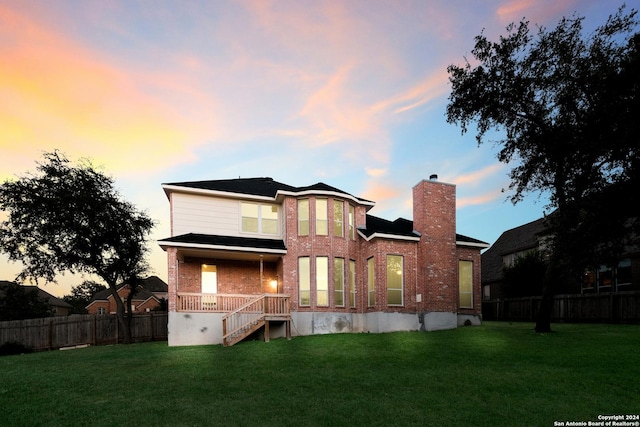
338,281
352,283
465,283
303,217
322,281
322,226
304,281
352,219
394,279
371,282
338,218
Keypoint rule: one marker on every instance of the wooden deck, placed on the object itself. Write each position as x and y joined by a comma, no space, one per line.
244,314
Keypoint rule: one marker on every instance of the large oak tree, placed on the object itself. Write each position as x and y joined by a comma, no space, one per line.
70,218
567,107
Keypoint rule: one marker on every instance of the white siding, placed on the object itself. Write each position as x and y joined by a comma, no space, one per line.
210,215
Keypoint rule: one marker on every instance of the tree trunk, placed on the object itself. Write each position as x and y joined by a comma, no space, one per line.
120,315
545,311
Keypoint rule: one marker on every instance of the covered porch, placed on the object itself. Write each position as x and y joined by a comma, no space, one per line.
228,287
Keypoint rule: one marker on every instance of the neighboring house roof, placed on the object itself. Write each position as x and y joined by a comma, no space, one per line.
265,187
148,288
53,301
511,241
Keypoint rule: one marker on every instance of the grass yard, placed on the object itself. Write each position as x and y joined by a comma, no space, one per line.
498,374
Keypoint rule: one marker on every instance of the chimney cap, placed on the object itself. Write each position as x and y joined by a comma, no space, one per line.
433,177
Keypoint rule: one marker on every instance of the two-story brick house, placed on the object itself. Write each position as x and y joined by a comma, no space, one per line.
311,260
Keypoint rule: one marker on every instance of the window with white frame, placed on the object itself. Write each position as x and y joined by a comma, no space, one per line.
338,218
303,217
371,281
395,280
304,281
259,218
338,281
465,283
322,222
352,219
352,283
322,281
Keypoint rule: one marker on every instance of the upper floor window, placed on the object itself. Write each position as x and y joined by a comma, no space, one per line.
338,218
303,217
352,217
322,222
259,218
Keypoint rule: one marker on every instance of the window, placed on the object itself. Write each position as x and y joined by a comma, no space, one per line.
371,279
338,281
352,218
322,281
623,272
338,218
394,279
249,212
303,217
605,277
209,279
304,281
321,217
465,283
102,310
258,218
352,283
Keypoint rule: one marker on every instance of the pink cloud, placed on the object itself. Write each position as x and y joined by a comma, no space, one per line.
60,94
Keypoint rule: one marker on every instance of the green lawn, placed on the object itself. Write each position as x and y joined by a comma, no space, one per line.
498,374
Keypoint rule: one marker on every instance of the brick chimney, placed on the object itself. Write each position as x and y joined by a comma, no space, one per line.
434,217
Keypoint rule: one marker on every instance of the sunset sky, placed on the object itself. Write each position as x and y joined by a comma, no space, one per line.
350,93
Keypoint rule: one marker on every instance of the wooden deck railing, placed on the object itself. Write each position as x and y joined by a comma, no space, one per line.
251,316
211,303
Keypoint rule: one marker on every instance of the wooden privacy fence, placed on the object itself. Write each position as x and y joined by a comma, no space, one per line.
57,332
617,307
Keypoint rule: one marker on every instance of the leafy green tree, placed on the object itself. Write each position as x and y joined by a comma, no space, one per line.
566,106
82,294
525,276
71,218
18,302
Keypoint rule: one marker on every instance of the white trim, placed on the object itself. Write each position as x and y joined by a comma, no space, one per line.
388,236
164,245
227,194
472,244
176,188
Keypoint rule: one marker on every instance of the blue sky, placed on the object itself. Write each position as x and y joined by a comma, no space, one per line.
350,93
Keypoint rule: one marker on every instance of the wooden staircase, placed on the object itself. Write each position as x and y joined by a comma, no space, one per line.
255,314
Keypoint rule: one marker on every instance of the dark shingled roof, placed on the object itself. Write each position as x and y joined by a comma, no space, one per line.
243,242
515,240
399,227
257,187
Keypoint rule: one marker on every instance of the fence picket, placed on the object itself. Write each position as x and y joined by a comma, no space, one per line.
57,332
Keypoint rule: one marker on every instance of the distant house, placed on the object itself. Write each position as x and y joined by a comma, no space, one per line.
252,253
148,297
57,306
518,241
